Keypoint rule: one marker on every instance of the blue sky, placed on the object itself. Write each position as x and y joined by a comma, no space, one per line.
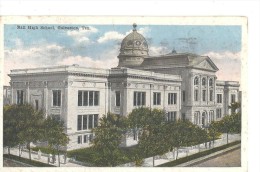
99,45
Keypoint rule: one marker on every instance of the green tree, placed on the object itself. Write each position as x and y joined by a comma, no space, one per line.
108,136
213,131
152,139
30,123
54,134
10,127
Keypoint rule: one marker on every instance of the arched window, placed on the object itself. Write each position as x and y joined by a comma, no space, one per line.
196,81
204,81
210,82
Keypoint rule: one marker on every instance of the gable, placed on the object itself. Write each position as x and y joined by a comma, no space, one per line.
206,64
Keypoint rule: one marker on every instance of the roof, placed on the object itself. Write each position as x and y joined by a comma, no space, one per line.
179,60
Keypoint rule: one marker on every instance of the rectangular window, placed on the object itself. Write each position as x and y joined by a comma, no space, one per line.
36,104
210,95
172,116
219,98
139,98
156,98
80,98
85,98
90,122
56,97
233,98
183,96
196,94
91,98
95,120
218,113
172,98
79,139
85,138
85,122
79,122
204,95
118,98
20,97
96,98
88,98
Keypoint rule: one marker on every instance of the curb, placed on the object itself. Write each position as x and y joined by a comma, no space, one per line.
207,157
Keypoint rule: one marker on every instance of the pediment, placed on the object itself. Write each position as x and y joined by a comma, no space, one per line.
207,64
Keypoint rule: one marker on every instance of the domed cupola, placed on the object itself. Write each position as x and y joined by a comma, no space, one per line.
133,49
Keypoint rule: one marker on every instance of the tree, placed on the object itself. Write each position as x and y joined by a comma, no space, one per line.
10,127
108,136
213,131
55,135
22,125
30,123
153,137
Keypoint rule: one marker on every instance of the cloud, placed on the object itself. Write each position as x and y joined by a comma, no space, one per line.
224,55
81,36
158,50
113,35
110,36
229,64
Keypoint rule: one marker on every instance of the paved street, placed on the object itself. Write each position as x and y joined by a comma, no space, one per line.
231,159
10,163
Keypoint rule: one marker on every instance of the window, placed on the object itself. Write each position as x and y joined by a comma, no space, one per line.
37,104
88,98
117,98
172,116
197,117
210,82
56,97
156,98
139,98
218,113
79,139
79,122
86,122
204,95
211,116
219,98
20,97
85,139
196,81
210,95
183,96
233,98
172,98
204,81
196,95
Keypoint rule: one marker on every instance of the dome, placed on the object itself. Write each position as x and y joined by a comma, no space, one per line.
134,44
133,49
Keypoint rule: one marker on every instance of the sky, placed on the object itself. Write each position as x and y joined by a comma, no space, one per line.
32,46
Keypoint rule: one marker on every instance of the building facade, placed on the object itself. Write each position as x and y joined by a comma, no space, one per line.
183,84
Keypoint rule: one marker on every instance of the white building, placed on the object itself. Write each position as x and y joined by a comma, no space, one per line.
183,84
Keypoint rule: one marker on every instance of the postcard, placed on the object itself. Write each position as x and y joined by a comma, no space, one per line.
128,92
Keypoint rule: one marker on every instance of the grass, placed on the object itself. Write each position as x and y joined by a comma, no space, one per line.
197,155
27,161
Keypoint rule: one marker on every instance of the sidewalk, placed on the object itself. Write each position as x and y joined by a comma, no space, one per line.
183,152
43,158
